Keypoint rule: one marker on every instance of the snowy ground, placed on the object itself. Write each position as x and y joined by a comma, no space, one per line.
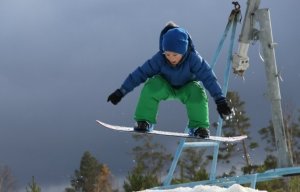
205,188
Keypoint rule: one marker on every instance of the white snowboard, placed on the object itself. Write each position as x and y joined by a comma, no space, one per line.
174,134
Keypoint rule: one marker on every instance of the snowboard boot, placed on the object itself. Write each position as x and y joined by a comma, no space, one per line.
142,126
200,132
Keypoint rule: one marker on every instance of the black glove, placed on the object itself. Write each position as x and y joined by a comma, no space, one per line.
223,107
115,97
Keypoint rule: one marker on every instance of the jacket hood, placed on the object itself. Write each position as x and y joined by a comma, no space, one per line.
191,46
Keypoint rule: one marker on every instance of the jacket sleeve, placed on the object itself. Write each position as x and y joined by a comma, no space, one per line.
205,74
150,68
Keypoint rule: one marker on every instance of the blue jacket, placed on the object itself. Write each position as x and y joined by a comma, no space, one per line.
192,68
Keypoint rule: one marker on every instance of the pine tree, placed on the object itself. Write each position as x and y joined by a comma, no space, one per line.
140,179
292,131
150,159
267,134
33,186
238,124
273,185
192,166
89,170
92,176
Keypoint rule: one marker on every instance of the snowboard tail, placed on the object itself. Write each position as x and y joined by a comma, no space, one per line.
173,134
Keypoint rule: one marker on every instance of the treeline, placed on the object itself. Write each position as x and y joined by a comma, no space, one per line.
152,160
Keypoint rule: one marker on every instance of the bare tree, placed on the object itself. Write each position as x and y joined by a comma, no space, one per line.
7,182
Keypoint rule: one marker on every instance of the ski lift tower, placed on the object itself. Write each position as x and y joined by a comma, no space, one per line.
241,62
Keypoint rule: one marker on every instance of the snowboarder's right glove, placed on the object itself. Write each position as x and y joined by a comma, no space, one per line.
115,97
223,107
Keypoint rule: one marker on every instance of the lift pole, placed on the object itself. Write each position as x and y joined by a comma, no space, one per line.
241,62
268,53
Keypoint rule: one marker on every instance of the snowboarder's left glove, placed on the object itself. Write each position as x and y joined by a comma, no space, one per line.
223,107
115,97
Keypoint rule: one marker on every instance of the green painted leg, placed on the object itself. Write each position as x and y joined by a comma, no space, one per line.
196,102
154,90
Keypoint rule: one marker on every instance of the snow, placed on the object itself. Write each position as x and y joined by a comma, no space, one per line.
206,188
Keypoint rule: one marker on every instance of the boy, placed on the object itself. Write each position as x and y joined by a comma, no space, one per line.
174,72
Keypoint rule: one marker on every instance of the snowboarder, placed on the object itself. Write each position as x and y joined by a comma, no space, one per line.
174,72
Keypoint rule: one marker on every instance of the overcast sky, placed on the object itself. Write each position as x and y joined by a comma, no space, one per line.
60,59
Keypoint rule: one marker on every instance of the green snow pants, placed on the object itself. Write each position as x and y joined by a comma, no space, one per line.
192,95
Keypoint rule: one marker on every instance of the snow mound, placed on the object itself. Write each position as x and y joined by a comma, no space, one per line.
206,188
